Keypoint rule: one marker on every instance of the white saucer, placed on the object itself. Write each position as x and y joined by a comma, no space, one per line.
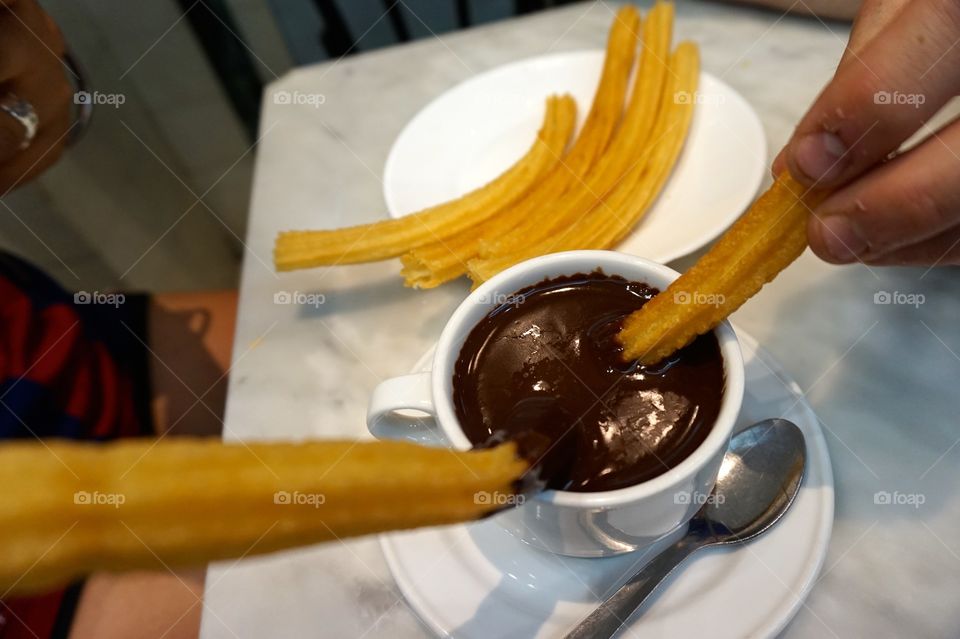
474,131
478,581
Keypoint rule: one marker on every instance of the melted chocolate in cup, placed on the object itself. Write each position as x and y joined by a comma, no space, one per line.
545,369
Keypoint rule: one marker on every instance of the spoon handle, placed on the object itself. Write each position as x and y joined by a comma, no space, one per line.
613,613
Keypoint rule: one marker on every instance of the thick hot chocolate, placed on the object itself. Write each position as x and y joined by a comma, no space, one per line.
547,361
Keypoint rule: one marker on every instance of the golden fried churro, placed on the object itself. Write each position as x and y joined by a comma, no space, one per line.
438,262
626,207
74,508
602,223
763,242
390,238
627,149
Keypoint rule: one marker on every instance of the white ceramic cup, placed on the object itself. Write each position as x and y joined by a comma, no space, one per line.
577,524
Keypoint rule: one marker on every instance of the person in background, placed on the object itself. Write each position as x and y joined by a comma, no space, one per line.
142,365
156,364
35,95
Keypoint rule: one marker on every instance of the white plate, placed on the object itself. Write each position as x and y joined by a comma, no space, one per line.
473,132
477,581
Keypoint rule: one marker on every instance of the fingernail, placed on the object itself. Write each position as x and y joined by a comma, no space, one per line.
778,163
821,156
842,241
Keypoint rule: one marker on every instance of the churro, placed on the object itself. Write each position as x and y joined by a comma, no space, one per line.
74,508
390,238
441,261
763,242
626,153
596,222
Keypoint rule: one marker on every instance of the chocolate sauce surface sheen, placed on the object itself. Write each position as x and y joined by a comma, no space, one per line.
547,362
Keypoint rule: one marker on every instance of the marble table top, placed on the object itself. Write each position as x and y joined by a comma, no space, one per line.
878,375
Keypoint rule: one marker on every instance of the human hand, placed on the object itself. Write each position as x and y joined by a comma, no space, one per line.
31,68
899,70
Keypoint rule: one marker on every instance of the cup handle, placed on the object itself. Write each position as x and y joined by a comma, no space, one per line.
409,392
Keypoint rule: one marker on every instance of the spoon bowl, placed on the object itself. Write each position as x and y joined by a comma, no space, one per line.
759,478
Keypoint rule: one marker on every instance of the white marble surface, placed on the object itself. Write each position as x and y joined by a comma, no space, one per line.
881,377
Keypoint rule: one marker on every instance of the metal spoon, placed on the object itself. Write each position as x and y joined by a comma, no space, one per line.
759,477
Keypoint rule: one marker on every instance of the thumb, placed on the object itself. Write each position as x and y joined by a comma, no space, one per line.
880,96
872,17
